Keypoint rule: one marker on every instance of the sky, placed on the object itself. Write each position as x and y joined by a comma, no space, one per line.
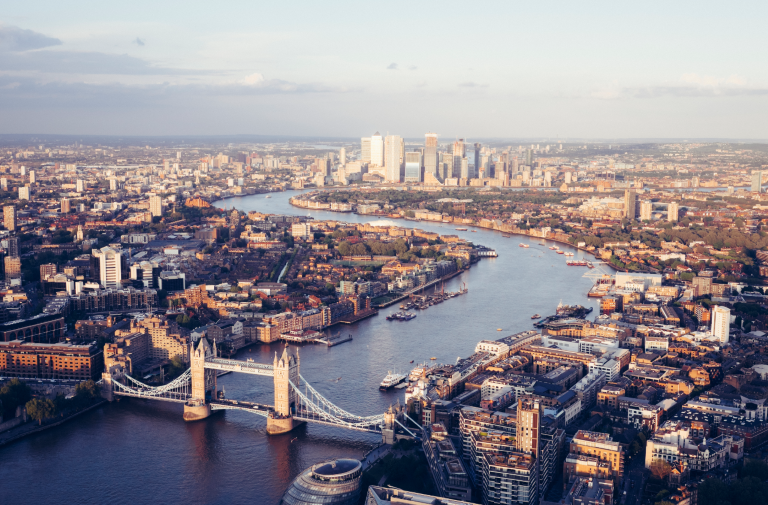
555,70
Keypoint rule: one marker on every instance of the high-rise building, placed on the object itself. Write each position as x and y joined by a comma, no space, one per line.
528,426
446,166
594,454
459,149
365,149
32,178
673,212
113,184
464,172
65,205
156,205
757,181
646,210
4,183
377,150
413,167
12,267
529,157
13,247
721,323
630,204
110,267
23,192
80,186
430,154
343,156
477,158
392,148
9,217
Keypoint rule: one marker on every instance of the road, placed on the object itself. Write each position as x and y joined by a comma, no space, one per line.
634,474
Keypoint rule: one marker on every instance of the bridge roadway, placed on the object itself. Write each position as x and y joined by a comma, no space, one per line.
254,408
233,365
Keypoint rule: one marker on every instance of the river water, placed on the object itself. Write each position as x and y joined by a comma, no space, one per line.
139,451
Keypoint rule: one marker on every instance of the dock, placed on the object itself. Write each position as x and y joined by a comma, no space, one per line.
332,340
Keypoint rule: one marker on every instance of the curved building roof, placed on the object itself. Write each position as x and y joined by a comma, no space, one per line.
334,482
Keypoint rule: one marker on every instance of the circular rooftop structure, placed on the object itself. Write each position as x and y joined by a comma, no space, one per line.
334,482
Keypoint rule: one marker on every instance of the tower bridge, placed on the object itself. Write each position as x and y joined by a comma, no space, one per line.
295,400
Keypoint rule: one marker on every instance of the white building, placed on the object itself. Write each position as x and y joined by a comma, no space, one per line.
492,346
80,187
377,150
673,442
110,267
610,367
301,230
23,193
721,323
392,157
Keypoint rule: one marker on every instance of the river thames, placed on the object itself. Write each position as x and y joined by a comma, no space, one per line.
138,451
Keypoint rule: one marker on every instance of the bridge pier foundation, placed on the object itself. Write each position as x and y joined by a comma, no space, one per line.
278,425
196,412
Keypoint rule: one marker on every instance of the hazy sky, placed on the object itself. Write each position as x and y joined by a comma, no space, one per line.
472,69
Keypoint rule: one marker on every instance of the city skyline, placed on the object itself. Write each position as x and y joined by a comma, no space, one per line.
588,72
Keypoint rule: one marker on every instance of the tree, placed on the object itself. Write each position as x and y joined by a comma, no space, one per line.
748,491
39,409
660,469
87,389
713,492
754,468
12,395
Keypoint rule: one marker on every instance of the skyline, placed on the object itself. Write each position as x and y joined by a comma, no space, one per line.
507,71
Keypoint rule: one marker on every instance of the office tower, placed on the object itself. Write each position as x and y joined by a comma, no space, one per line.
529,157
413,167
459,149
392,148
110,265
47,270
113,185
630,204
343,156
365,149
24,193
32,178
323,166
430,154
446,169
721,323
80,186
464,168
757,181
528,426
65,205
156,205
9,217
13,247
377,150
646,210
673,211
477,158
12,267
515,166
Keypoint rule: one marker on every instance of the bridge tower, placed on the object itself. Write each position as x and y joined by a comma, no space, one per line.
196,408
286,370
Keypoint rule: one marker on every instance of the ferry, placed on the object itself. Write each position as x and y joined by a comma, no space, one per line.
569,254
577,263
554,248
391,380
535,316
524,245
560,252
461,229
401,316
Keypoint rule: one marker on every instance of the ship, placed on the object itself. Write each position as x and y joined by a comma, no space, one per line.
401,316
560,252
535,316
268,196
554,248
391,380
461,229
577,263
569,254
524,245
418,372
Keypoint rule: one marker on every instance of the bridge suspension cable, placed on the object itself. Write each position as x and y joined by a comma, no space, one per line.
321,401
325,412
176,390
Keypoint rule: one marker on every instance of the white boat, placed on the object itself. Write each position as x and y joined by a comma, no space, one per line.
391,380
417,372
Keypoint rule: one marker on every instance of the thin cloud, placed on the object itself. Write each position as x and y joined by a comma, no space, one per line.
15,39
688,86
138,42
392,66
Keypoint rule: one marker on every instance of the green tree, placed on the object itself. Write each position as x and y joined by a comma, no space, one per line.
660,469
12,395
748,491
40,408
754,468
713,492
